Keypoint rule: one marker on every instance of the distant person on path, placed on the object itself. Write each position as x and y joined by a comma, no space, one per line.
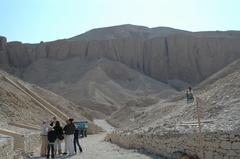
44,139
52,136
59,132
76,141
189,95
69,131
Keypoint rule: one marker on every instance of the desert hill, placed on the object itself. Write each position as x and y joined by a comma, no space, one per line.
17,106
101,85
107,69
231,68
219,103
130,75
127,31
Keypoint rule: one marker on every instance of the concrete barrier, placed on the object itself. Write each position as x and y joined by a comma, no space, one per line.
18,138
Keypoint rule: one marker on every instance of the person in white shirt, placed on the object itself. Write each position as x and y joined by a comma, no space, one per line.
44,132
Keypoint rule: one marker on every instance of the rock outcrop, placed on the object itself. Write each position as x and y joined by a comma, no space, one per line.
162,53
3,53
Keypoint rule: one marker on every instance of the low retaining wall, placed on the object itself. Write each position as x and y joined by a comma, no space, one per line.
31,142
26,142
217,145
6,147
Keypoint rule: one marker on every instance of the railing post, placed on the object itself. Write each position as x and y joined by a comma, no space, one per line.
200,135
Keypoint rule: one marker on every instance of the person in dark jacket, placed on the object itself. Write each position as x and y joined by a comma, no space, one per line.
59,132
51,140
69,131
65,138
76,141
189,95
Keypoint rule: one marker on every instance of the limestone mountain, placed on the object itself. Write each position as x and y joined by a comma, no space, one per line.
105,69
161,53
126,31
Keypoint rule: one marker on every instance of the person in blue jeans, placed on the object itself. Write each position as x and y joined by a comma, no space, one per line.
52,136
76,141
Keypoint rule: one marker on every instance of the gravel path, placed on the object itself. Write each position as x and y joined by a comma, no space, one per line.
94,147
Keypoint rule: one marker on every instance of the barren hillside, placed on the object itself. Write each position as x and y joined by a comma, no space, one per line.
107,69
101,85
219,103
16,106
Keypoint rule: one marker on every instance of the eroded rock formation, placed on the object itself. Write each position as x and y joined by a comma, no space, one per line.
162,53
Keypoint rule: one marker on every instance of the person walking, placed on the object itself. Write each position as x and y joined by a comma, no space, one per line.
59,132
76,141
44,139
51,140
189,95
69,131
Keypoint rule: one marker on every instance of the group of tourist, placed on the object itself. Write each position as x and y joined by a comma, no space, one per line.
53,134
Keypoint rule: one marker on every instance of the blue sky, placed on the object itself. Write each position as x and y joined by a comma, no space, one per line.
45,20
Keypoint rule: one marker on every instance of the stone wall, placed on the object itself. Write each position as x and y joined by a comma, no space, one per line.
6,147
217,145
31,142
27,142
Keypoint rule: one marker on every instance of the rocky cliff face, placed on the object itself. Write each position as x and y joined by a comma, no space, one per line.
3,52
162,53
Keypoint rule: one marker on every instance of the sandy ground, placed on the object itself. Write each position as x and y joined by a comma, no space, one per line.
94,147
